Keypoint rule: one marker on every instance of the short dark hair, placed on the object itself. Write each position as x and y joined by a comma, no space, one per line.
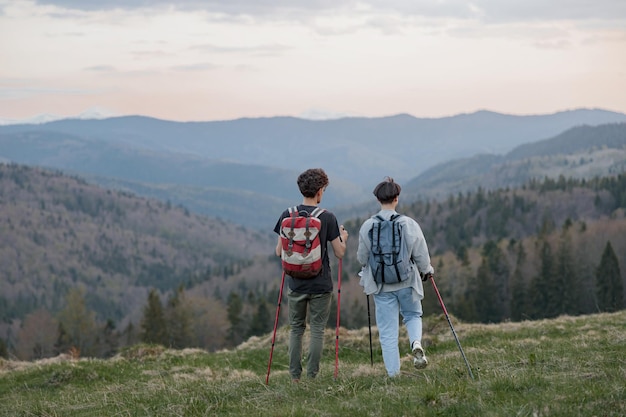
311,181
387,190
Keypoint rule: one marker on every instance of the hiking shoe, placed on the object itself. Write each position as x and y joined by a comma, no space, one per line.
419,358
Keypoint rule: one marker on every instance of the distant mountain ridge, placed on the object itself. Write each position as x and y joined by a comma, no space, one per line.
580,152
357,149
253,163
91,113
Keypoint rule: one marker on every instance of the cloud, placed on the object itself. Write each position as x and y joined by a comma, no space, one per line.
262,57
264,50
335,18
253,7
486,10
612,10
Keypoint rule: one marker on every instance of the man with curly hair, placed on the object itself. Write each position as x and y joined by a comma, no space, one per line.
312,294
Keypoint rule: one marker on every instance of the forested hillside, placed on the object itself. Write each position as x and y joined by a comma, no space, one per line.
92,269
58,234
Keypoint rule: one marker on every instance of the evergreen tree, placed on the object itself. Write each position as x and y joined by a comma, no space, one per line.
235,317
462,255
492,298
539,290
500,270
484,298
609,285
261,322
108,340
62,344
153,325
519,296
566,281
129,336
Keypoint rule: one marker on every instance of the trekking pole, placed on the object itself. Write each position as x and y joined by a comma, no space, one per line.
280,298
337,326
369,326
443,307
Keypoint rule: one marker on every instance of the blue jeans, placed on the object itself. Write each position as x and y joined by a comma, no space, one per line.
388,307
318,306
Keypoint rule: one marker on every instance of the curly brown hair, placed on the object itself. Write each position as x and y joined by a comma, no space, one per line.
311,181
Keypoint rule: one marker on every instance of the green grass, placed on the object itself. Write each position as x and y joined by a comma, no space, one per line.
570,366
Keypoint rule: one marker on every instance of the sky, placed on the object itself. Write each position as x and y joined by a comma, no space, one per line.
194,60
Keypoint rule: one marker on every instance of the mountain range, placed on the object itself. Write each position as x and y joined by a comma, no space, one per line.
58,231
581,152
244,170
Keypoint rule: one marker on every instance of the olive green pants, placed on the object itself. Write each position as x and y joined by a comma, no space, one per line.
318,306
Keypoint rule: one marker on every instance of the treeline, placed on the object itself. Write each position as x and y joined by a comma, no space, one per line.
503,287
496,291
181,320
207,316
470,219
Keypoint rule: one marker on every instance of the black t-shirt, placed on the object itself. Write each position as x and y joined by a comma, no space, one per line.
322,283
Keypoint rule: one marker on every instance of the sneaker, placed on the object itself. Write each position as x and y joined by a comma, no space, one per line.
419,358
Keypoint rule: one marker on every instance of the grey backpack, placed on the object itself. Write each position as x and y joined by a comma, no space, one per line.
390,261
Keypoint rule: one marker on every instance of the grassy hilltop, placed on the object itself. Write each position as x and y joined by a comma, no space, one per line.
569,366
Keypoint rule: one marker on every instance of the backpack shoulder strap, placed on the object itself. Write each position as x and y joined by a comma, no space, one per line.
375,233
317,212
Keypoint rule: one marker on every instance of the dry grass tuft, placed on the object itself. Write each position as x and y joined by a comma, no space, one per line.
139,352
185,352
368,370
11,365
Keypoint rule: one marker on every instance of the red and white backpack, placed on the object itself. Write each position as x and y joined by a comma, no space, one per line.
302,251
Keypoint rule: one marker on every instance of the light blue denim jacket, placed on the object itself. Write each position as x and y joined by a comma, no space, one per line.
416,244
